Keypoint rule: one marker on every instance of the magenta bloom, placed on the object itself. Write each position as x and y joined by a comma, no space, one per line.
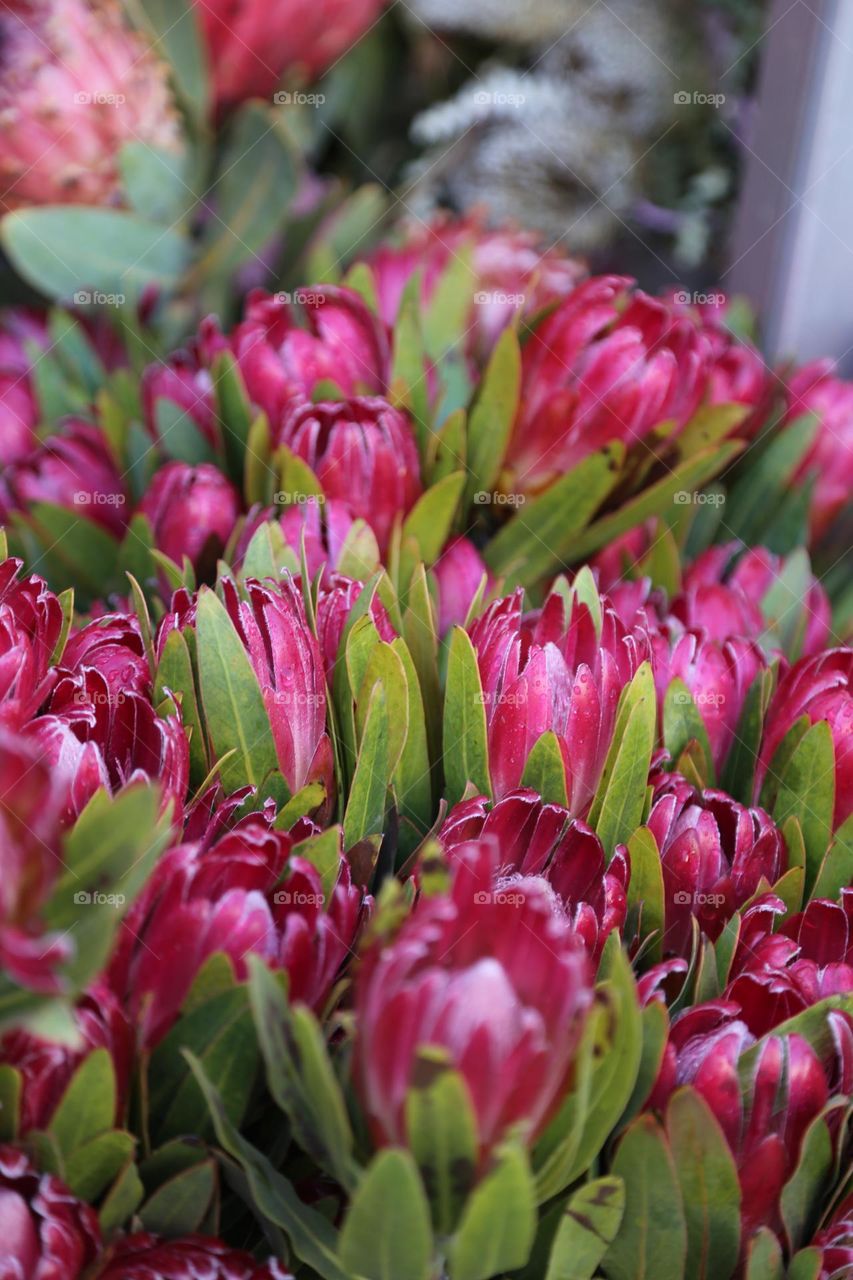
714,853
363,452
336,599
818,687
498,980
19,410
74,471
287,661
46,1232
77,84
111,644
147,1257
550,672
835,1244
458,572
192,512
815,389
30,627
246,893
185,380
251,47
537,839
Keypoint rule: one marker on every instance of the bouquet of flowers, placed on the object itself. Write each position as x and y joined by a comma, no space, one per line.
426,717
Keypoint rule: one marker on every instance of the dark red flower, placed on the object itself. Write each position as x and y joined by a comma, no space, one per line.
458,572
192,512
47,1234
19,409
30,628
815,389
74,471
335,601
147,1257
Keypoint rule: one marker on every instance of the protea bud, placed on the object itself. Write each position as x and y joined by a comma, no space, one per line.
192,512
363,452
818,687
111,644
815,389
46,1232
30,627
336,598
835,1244
251,47
509,273
74,471
147,1257
185,380
288,664
76,85
458,572
46,1066
498,982
247,893
537,839
714,854
31,801
552,672
19,410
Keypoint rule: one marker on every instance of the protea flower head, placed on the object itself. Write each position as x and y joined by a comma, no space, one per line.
251,48
337,596
111,644
31,802
835,1244
46,1231
509,272
363,452
821,688
496,980
75,85
19,409
815,389
552,672
30,628
458,572
246,893
538,839
148,1257
72,470
287,661
714,854
192,512
46,1066
185,381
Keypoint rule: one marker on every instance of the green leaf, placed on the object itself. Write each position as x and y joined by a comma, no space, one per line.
412,781
386,1234
313,1239
428,525
545,770
323,852
836,871
646,907
447,312
174,30
763,483
442,1133
175,677
233,704
806,1265
804,1193
408,380
764,1257
683,724
710,1190
179,1206
88,1105
498,1224
617,809
234,412
739,770
10,1102
155,181
365,811
70,549
63,249
588,1226
493,414
807,792
655,1020
466,752
542,534
125,1196
652,1241
180,436
92,1166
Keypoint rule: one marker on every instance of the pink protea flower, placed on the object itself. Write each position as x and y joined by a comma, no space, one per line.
111,644
185,380
192,511
287,661
835,1244
251,48
714,854
538,839
76,84
31,801
498,981
72,470
46,1066
247,893
815,389
552,672
458,573
509,273
363,452
818,687
765,1117
147,1257
337,596
19,409
30,627
46,1231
